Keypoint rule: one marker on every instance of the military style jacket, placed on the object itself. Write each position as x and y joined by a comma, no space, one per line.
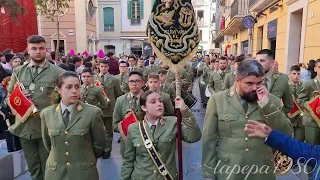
279,87
229,80
111,85
226,120
150,69
205,77
124,78
44,84
185,78
167,103
93,95
297,120
216,81
73,150
169,89
308,91
137,163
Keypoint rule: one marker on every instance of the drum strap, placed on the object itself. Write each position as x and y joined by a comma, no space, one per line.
153,153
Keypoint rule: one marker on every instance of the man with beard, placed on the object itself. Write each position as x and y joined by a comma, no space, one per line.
227,113
276,83
38,77
151,68
216,80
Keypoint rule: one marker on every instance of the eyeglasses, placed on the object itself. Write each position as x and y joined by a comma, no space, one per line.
135,81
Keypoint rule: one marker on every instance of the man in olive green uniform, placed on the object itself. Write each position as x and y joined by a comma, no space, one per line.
217,78
133,64
89,93
203,72
166,87
184,78
296,86
227,113
38,77
141,62
154,85
151,68
276,83
111,86
129,101
123,76
231,76
310,89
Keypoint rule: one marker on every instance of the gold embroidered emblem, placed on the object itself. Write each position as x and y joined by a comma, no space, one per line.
17,101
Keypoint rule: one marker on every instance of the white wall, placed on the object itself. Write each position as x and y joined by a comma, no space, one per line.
126,23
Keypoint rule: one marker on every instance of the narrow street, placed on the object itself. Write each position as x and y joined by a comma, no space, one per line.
110,169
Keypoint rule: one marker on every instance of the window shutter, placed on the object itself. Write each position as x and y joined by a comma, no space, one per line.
105,16
108,16
129,4
141,9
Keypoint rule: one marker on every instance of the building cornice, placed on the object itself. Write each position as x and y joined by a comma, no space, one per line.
261,5
289,2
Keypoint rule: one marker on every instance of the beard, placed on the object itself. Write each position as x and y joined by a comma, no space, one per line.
250,97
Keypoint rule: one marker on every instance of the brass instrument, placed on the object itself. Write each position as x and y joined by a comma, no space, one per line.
315,94
282,163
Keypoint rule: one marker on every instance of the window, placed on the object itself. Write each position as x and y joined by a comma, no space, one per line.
135,11
108,19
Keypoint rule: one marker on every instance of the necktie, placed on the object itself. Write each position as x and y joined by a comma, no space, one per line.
135,103
35,72
66,117
102,79
152,130
222,75
266,82
245,106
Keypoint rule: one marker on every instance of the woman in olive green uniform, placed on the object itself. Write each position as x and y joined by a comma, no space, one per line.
71,133
158,134
89,93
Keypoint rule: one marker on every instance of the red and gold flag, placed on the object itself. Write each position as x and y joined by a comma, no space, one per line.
313,106
129,119
295,111
20,105
98,84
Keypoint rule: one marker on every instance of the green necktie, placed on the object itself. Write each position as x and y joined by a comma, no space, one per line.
135,103
35,72
102,79
65,117
245,106
152,130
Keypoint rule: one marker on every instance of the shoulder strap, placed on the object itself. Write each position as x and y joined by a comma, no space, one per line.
153,153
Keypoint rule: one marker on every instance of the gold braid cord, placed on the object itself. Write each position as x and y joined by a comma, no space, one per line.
173,33
282,163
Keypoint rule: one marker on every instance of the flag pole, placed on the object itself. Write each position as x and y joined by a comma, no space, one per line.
179,121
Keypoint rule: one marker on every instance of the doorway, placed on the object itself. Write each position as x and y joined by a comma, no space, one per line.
110,48
273,45
61,46
294,39
136,50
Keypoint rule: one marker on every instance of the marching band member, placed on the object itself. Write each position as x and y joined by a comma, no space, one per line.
72,133
37,77
111,86
227,113
89,93
151,144
295,117
129,101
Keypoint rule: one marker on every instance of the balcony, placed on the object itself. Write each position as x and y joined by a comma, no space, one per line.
197,2
239,9
260,5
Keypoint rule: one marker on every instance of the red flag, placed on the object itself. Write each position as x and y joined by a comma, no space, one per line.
20,104
313,106
98,83
129,119
295,111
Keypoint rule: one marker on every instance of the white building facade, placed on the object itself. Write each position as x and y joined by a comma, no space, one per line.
205,15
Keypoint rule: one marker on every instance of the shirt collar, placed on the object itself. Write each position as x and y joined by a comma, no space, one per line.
150,124
42,65
220,71
64,107
138,96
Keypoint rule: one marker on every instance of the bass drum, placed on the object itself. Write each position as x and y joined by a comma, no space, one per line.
207,92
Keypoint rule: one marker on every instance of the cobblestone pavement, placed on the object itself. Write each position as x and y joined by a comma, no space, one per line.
110,169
